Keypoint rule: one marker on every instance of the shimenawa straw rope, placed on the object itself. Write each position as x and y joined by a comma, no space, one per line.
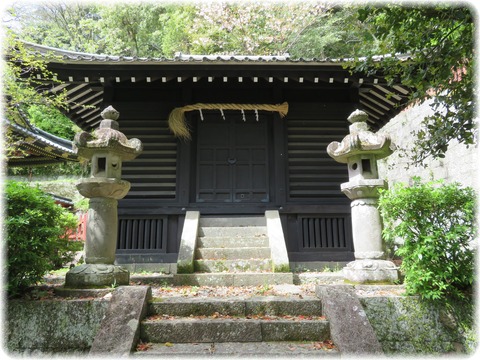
179,127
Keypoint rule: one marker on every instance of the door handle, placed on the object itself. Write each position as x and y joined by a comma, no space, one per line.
232,161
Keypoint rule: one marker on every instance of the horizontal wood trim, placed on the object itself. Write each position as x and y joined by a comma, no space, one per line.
153,174
312,173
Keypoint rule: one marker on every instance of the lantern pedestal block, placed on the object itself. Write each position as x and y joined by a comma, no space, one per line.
93,275
370,271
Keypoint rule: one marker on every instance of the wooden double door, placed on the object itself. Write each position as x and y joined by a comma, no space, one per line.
232,159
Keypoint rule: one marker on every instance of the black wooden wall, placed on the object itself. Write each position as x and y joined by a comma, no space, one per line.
305,185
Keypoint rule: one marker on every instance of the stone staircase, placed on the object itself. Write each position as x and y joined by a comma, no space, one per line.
256,326
232,245
233,251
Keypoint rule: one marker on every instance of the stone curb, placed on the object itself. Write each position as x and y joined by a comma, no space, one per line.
267,305
350,328
188,330
260,350
120,328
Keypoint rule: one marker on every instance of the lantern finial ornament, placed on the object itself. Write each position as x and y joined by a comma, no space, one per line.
358,116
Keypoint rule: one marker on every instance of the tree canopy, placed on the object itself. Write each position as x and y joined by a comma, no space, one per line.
440,42
438,38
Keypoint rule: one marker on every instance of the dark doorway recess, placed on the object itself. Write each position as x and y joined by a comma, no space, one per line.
232,159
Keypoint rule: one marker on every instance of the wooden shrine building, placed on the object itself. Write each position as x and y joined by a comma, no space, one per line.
236,162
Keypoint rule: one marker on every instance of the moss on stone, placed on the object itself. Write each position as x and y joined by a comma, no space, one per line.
185,268
283,268
410,326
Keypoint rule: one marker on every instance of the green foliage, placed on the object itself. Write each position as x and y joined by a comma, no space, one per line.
303,29
53,121
20,83
440,66
35,228
337,34
436,221
56,24
65,169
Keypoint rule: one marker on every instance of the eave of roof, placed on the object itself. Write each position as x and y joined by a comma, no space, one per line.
41,147
84,76
68,56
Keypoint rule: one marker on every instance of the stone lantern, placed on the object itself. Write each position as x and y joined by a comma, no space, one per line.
360,150
107,147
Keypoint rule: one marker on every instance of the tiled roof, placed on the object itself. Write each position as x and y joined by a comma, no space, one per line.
68,55
84,77
38,147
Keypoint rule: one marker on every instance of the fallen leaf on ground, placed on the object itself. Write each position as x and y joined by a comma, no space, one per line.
143,346
324,345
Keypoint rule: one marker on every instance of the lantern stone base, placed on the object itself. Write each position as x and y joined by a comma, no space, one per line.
370,271
94,275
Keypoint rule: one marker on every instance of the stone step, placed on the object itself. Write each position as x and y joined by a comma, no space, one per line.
216,221
240,265
259,305
233,253
232,242
233,279
201,330
238,350
232,231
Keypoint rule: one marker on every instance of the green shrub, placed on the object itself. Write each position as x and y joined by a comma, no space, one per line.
35,228
437,224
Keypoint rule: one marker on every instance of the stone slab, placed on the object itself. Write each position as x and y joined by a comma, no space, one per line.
145,279
203,279
255,279
261,305
228,221
232,231
318,278
349,326
232,242
52,326
197,330
303,330
186,330
238,349
235,253
278,306
197,307
233,279
239,265
120,328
